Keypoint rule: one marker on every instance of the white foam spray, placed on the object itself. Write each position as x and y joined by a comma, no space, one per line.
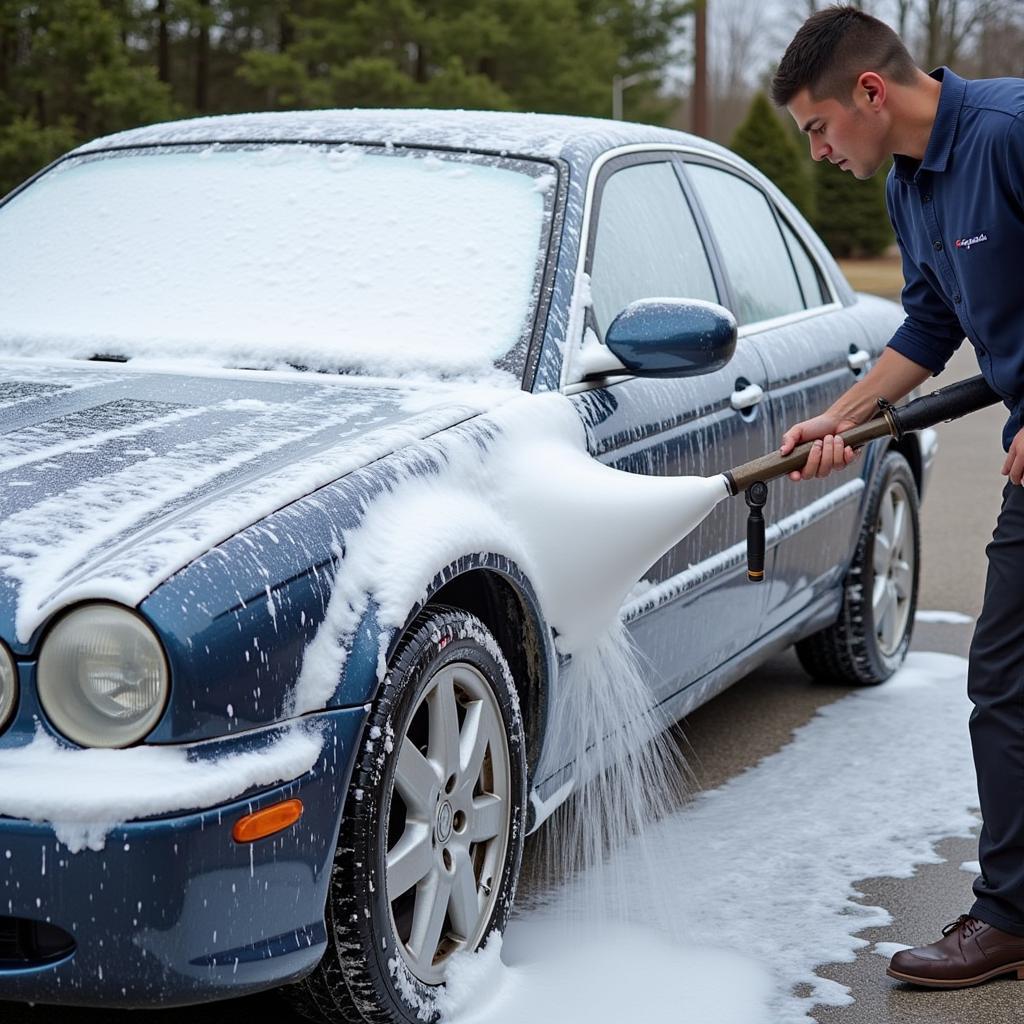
629,771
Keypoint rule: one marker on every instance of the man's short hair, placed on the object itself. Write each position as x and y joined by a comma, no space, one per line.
832,49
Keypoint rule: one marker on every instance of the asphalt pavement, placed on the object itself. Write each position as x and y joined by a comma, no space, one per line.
757,716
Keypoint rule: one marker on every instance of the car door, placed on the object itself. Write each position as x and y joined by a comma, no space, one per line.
694,608
813,351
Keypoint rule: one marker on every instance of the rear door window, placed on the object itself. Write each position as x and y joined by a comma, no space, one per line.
812,283
762,275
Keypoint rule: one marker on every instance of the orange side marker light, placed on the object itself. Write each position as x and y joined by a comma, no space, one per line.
266,822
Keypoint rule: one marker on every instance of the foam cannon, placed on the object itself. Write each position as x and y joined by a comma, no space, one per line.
948,403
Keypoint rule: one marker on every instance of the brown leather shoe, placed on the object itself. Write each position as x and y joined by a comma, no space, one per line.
969,952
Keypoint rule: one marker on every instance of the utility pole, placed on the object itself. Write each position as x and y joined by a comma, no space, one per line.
699,95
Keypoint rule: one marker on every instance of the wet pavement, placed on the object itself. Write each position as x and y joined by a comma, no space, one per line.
757,716
957,518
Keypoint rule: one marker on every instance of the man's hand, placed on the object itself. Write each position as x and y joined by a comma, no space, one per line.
829,451
892,377
1013,467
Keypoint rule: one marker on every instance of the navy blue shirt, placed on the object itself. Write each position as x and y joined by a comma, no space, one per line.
959,220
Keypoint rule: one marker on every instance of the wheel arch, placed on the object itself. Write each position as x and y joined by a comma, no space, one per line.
909,447
494,589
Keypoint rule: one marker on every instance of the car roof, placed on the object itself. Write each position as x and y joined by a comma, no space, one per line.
576,139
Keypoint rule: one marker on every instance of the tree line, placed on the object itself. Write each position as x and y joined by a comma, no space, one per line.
74,69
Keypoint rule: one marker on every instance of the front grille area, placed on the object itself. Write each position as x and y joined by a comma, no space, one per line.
25,943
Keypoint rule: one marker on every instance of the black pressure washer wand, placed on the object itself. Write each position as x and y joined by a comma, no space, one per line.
948,403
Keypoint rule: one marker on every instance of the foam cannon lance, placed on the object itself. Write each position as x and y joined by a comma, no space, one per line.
948,403
688,338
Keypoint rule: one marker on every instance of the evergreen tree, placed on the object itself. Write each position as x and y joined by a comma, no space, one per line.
69,76
763,140
850,214
74,69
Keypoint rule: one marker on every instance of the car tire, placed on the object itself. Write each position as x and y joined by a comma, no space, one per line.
438,793
870,639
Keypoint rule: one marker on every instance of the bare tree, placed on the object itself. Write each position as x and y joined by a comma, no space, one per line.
943,31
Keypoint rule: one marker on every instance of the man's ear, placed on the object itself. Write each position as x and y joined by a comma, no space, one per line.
870,86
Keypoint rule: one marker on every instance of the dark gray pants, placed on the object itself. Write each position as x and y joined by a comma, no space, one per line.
995,684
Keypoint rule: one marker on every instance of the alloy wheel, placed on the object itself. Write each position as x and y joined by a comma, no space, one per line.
893,565
449,820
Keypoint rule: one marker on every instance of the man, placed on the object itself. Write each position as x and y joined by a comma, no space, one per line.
956,200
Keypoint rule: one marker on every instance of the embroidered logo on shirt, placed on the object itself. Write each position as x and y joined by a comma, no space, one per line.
966,243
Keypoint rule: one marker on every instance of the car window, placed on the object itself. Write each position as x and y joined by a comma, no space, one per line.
811,283
757,262
647,245
346,259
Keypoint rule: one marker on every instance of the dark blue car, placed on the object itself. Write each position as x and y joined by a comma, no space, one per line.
295,558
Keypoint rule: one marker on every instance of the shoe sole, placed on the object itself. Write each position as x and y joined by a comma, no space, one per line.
1017,968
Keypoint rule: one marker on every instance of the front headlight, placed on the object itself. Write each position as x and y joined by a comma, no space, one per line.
8,685
102,676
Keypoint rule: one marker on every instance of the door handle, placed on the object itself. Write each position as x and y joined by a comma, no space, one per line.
746,397
858,359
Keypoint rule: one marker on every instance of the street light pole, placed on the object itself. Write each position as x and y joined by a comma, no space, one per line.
620,84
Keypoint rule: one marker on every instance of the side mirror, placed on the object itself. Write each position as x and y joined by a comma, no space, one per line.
672,337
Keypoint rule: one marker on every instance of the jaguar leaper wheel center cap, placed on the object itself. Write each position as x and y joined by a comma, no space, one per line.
443,828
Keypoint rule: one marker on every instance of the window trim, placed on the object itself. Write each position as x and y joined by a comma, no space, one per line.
718,279
602,167
569,381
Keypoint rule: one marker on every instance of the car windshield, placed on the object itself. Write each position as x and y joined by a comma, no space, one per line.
346,259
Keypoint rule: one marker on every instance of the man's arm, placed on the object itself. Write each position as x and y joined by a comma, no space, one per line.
893,377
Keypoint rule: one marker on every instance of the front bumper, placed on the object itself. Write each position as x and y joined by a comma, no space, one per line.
174,911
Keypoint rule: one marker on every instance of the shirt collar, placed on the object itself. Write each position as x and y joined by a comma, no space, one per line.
940,142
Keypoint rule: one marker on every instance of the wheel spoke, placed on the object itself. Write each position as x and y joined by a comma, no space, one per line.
878,598
432,895
464,908
899,528
487,818
903,578
416,779
443,744
882,554
880,602
887,625
478,732
409,860
886,516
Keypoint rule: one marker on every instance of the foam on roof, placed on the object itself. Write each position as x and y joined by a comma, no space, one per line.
544,135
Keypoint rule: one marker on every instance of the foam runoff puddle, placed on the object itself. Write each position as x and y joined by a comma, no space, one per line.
723,910
954,618
889,949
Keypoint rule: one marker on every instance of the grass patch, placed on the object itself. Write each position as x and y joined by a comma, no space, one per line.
882,276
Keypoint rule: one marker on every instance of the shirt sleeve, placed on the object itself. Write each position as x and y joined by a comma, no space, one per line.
931,332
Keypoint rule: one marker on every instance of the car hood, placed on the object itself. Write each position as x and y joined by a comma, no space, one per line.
114,477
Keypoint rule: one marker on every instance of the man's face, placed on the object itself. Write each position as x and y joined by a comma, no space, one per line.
852,137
